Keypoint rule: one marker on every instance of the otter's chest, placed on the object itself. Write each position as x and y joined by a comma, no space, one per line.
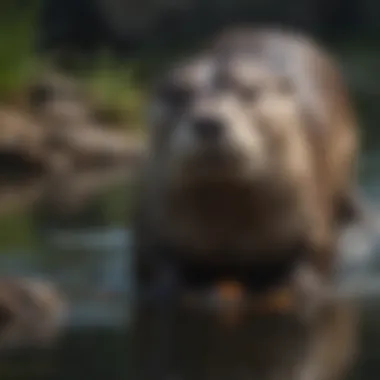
232,219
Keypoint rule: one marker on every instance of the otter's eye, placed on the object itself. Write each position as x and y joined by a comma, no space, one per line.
175,96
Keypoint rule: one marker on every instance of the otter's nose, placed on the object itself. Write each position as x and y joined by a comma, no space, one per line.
208,128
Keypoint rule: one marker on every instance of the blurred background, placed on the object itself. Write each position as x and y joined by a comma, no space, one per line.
73,79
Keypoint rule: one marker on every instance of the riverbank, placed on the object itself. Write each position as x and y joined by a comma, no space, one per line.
56,129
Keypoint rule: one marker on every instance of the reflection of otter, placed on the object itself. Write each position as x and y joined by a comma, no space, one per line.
316,340
252,160
30,313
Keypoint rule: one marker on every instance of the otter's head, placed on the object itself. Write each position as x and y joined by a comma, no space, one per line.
216,119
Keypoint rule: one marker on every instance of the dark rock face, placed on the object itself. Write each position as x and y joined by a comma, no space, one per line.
66,22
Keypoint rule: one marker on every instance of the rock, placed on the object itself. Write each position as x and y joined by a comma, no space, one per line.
19,132
67,116
32,312
21,145
58,132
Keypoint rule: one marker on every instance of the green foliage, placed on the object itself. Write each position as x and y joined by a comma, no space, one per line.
118,204
17,58
118,87
16,230
114,90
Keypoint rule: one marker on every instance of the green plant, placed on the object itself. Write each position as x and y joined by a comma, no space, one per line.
16,230
17,58
114,90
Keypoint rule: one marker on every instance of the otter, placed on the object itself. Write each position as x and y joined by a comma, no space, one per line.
251,164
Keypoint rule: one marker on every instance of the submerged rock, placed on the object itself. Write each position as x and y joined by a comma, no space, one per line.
32,313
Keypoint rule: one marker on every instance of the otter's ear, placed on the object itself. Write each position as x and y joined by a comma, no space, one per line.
285,85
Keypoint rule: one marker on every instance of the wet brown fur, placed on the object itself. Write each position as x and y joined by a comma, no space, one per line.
331,140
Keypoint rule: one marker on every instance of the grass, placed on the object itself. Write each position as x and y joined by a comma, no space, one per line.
17,58
17,231
118,88
118,205
114,91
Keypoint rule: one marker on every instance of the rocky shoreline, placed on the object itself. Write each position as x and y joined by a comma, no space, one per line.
56,131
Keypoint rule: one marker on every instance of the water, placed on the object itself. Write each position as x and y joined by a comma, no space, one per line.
73,234
72,231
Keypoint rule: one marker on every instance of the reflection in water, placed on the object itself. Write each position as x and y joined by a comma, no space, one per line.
185,343
73,235
90,253
79,244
